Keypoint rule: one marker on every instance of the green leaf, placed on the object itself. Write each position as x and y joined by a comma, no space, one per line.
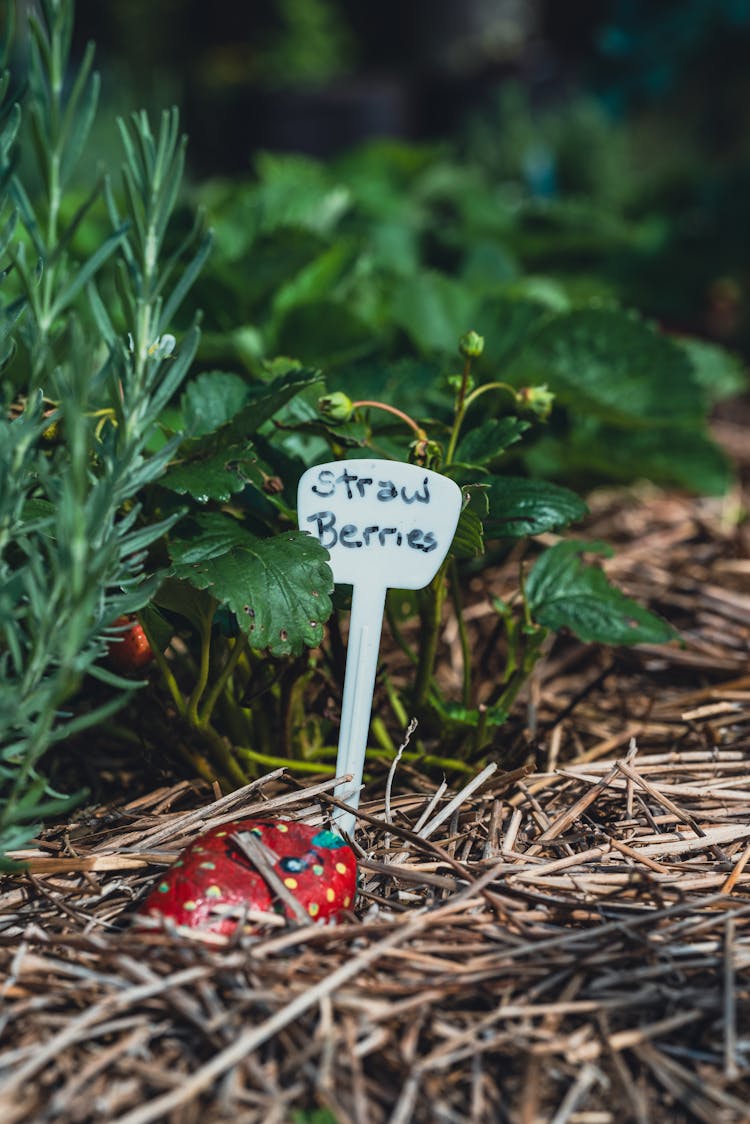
36,514
323,332
518,507
612,364
189,272
507,322
211,470
433,309
79,118
170,373
469,716
719,372
468,541
297,191
315,281
160,631
688,458
176,596
484,444
266,399
212,399
278,588
66,295
564,592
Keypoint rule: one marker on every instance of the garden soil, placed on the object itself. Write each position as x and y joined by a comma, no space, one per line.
563,938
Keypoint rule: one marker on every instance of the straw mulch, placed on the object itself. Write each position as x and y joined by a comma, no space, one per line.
567,941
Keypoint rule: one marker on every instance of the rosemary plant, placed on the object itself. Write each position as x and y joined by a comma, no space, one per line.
84,382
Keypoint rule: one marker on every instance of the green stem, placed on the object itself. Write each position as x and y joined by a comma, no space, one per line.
490,386
459,411
197,762
430,616
396,705
409,757
396,633
464,400
463,635
166,672
481,729
213,696
395,411
224,757
271,762
204,669
381,735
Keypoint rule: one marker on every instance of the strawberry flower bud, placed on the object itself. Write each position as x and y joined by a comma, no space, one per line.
538,399
335,407
471,345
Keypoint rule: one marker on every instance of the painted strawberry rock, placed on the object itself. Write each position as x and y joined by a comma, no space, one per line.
214,881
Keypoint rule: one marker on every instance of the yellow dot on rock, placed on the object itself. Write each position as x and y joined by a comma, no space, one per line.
290,883
213,891
341,869
281,827
313,909
219,834
190,906
330,894
347,902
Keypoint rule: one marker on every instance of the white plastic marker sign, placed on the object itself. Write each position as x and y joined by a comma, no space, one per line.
384,525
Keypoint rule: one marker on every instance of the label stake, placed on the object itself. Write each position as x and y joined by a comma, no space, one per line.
385,525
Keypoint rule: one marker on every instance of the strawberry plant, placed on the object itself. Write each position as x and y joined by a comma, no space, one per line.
247,604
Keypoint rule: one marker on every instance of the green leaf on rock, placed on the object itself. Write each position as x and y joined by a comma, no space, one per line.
278,588
518,507
564,592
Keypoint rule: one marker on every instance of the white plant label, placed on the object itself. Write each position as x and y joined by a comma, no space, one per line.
384,524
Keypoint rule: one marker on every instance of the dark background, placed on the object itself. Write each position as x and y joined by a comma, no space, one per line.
317,75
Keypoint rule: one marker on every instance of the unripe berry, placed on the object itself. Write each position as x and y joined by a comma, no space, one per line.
335,407
471,345
130,650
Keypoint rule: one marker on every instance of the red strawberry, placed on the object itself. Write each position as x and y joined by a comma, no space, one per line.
129,650
214,881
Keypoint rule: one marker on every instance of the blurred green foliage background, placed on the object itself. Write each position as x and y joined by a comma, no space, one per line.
621,111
